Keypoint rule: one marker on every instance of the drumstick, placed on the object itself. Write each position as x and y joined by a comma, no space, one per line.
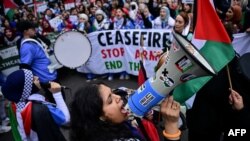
229,78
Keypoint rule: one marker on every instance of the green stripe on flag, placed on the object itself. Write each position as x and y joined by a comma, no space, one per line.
10,14
186,90
14,124
218,54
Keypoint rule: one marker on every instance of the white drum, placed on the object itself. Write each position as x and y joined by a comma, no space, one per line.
72,49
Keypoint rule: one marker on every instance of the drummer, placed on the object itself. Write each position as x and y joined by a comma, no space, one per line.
34,57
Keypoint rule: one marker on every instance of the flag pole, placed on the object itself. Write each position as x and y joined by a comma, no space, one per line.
142,45
35,8
229,78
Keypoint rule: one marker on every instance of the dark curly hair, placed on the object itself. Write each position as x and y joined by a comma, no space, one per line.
86,110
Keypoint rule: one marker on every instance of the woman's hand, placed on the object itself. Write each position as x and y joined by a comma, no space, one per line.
248,30
54,87
236,100
170,110
150,115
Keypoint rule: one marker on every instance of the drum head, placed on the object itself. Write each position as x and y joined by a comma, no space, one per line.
72,49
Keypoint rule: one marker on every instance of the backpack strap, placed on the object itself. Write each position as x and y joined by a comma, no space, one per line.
39,44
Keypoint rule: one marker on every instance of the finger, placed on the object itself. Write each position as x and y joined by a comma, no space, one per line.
230,99
169,102
237,95
176,105
164,105
234,97
164,102
234,92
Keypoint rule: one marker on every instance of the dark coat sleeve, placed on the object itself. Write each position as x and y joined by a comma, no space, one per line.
247,19
44,125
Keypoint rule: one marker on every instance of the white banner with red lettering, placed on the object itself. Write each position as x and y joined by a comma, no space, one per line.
68,4
115,51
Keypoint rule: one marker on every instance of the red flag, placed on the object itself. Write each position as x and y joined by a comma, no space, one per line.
26,116
142,76
209,26
151,130
69,1
9,4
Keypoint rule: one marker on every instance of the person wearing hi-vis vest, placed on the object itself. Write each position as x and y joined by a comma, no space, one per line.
33,56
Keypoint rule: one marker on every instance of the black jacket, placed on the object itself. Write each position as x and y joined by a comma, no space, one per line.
212,114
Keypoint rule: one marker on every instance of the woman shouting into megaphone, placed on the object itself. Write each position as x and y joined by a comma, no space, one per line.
99,114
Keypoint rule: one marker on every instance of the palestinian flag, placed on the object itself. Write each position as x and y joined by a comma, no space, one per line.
26,119
211,38
9,6
13,122
142,76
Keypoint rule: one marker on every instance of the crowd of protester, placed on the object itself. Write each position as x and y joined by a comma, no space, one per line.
122,14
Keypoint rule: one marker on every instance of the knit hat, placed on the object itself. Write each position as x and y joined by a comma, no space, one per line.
84,16
18,87
99,12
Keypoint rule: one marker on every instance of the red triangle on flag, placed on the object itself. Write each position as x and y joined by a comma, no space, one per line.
142,76
208,24
9,4
26,117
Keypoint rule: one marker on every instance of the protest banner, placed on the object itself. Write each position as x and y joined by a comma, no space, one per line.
241,43
27,2
41,7
73,18
188,1
9,58
55,22
115,51
68,4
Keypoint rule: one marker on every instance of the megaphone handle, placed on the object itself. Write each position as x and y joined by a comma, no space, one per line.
229,78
